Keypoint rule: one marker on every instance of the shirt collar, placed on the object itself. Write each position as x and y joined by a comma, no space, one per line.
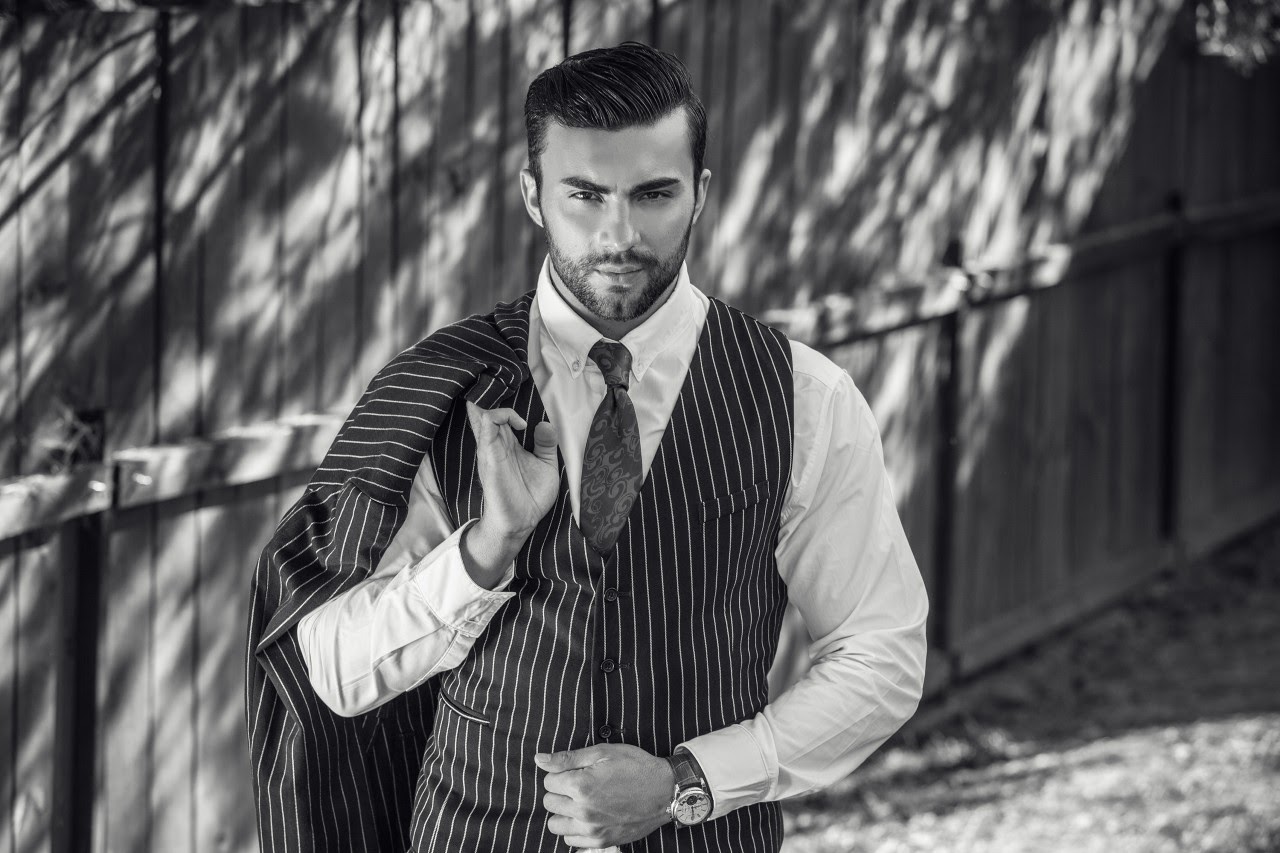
574,337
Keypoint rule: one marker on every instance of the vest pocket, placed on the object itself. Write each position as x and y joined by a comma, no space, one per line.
463,711
713,508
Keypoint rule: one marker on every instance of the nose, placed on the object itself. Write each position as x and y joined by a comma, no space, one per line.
617,232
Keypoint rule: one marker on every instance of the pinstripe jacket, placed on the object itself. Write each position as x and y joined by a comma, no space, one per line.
325,783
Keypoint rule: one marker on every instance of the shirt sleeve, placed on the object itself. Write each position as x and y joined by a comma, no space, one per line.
849,571
417,615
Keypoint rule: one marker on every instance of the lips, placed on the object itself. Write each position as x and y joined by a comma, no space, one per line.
617,271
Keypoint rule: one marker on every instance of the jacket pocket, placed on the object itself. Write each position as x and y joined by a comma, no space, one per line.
715,507
463,711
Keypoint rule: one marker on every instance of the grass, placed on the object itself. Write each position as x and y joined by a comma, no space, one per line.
1153,726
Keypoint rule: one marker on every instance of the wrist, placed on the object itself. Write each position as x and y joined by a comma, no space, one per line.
667,781
488,549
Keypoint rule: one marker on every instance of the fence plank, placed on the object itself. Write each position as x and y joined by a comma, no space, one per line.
1264,131
1202,348
201,194
39,563
8,688
593,25
172,674
126,705
459,192
484,160
746,257
11,120
1249,462
420,61
130,267
64,234
719,62
259,281
673,27
382,295
49,50
1053,365
533,42
1091,390
233,526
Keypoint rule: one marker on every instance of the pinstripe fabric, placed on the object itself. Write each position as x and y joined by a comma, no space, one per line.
321,782
668,636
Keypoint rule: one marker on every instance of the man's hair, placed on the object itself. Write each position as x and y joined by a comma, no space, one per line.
611,88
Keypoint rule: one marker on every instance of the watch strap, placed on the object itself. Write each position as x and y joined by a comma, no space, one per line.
686,769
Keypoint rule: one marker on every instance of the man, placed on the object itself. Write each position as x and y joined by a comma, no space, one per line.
592,574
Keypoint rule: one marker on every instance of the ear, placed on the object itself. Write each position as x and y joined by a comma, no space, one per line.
704,181
529,189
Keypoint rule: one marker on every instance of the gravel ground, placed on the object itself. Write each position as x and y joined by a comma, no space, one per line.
1152,727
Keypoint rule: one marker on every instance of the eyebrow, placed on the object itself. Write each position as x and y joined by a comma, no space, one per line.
647,186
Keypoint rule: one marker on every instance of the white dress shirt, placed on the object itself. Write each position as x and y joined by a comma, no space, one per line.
841,552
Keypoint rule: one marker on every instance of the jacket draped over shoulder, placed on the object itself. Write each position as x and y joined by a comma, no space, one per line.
323,782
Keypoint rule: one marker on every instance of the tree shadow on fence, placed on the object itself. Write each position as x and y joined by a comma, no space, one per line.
235,215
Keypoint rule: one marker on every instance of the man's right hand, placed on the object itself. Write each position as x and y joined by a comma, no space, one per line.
519,489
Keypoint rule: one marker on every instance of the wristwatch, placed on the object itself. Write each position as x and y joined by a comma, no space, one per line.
691,803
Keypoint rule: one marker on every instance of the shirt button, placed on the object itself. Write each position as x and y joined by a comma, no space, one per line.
608,665
606,731
610,594
576,365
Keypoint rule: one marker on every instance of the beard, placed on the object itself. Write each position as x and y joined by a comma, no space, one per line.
602,302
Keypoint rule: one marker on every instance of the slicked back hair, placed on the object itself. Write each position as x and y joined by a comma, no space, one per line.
612,88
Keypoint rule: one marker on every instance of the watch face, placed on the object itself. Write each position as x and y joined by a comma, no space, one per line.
692,806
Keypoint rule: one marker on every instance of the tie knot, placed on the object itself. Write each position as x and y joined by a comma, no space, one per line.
614,361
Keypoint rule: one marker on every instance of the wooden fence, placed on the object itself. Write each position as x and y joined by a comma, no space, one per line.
215,226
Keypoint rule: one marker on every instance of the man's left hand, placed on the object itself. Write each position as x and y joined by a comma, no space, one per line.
605,794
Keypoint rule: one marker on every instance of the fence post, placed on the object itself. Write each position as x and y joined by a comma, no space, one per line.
944,519
84,544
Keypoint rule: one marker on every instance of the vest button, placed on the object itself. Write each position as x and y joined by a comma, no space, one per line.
608,665
606,732
610,594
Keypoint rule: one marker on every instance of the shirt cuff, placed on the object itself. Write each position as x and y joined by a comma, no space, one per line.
735,766
448,590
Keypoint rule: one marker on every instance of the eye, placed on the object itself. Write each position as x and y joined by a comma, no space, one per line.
584,195
654,195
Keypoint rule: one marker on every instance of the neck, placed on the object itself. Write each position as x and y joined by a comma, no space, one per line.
614,330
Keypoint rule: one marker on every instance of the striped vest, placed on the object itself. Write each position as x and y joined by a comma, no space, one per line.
669,636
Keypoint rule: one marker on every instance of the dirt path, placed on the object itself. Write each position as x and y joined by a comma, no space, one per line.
1153,727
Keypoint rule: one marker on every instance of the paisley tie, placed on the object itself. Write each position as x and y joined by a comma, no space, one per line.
611,461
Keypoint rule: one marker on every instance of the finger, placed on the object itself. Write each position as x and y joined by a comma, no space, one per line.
483,420
574,759
571,828
505,415
544,442
562,805
564,784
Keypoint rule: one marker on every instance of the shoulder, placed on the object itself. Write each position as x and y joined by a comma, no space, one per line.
828,402
815,370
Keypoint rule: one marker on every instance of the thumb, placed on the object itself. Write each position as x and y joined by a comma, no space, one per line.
544,442
574,759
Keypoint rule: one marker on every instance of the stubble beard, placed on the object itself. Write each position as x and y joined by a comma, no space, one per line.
618,307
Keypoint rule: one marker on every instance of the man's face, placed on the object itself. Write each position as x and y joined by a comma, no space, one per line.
617,207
